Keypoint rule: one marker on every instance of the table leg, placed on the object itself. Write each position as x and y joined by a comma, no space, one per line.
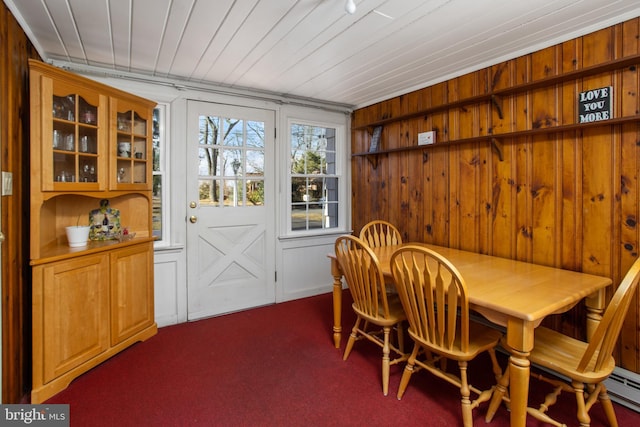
337,302
520,342
519,370
594,304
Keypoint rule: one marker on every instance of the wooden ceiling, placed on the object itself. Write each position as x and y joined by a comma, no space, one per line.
306,49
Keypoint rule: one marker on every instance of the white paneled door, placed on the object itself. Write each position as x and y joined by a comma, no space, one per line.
231,208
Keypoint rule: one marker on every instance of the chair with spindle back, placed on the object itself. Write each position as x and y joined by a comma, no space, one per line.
434,298
582,367
371,303
380,233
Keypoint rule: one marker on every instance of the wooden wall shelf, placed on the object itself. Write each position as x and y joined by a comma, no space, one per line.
497,139
494,96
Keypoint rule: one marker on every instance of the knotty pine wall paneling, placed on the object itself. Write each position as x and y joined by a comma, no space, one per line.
15,50
568,198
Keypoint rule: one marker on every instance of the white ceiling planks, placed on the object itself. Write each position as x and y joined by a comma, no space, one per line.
306,49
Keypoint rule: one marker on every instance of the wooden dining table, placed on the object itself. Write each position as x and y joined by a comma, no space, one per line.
513,294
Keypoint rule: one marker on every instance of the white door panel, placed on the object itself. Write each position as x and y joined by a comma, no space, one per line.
230,229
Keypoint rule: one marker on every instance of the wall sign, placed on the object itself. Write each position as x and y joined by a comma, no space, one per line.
595,105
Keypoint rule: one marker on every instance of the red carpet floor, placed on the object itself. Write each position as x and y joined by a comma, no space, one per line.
272,366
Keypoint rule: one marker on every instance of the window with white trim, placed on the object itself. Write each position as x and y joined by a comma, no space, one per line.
160,220
314,177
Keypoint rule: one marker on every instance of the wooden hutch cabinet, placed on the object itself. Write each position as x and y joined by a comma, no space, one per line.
89,143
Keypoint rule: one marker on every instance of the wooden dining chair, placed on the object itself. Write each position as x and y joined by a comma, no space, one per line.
373,307
581,367
435,301
380,233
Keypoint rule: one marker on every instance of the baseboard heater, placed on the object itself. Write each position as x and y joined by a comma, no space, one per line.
623,385
624,388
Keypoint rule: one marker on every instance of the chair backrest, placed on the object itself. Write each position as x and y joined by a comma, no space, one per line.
605,336
434,298
363,275
380,233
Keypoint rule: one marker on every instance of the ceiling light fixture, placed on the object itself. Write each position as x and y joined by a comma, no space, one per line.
350,7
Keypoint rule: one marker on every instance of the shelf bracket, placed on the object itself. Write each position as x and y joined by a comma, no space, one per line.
497,104
373,159
497,147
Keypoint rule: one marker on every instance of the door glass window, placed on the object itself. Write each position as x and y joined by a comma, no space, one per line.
231,162
313,177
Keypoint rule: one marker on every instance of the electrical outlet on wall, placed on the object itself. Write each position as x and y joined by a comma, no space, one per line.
426,138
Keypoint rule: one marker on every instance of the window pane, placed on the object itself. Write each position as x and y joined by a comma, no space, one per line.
209,159
209,130
157,206
255,134
209,192
255,163
233,132
232,160
299,217
158,158
255,192
299,190
314,186
231,196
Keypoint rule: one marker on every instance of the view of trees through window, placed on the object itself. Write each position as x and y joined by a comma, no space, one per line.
158,171
314,183
231,162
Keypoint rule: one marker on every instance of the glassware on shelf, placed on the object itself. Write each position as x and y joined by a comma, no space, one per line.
69,142
88,173
57,139
88,114
66,176
124,122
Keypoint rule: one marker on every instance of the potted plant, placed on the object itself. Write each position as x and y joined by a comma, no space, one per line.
77,235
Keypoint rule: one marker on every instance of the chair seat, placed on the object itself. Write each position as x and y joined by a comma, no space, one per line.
562,354
396,312
481,338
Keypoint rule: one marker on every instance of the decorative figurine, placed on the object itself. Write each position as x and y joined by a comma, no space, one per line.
105,222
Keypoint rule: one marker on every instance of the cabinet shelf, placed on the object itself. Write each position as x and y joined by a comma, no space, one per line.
494,96
61,252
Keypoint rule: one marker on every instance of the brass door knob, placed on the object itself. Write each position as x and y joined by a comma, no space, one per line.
193,219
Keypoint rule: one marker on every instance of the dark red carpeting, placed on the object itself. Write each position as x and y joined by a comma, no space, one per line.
271,366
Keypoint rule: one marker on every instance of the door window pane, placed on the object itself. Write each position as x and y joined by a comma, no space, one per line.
231,162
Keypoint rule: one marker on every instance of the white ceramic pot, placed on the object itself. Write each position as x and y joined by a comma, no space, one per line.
77,235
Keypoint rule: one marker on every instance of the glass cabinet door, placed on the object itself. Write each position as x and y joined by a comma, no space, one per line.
73,141
131,149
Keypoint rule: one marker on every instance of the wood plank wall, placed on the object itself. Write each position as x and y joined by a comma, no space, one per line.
569,199
15,49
